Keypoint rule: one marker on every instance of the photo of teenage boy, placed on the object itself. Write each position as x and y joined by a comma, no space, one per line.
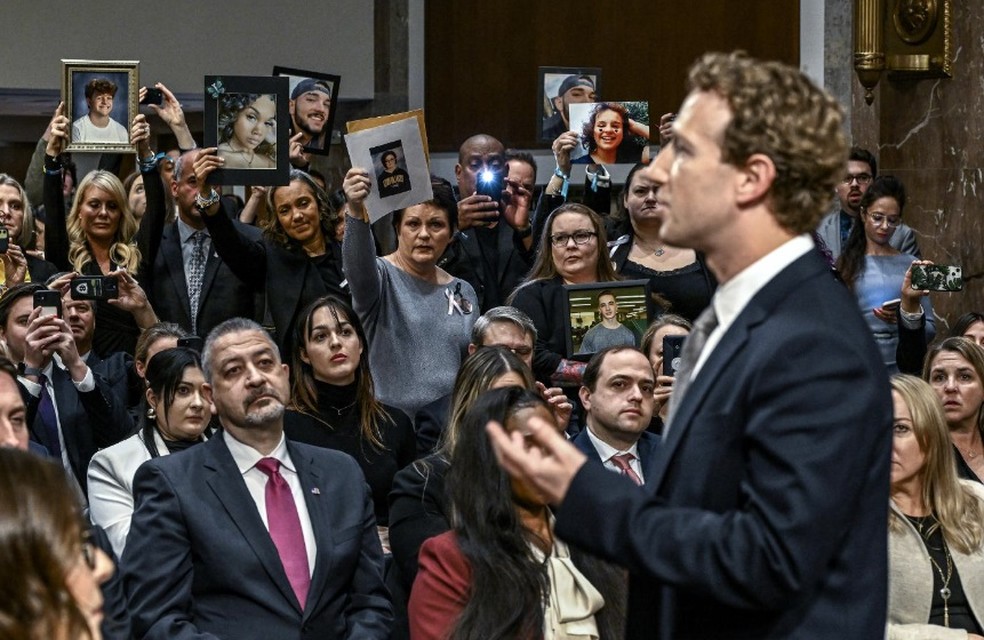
392,179
97,125
609,332
310,106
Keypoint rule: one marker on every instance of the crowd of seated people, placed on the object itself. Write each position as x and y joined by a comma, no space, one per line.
274,423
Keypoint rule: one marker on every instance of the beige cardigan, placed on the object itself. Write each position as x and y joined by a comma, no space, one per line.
910,582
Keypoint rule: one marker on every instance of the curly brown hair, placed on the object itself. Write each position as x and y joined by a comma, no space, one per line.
777,111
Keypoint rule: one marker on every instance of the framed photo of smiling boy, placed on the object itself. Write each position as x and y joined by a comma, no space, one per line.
610,132
394,156
313,97
100,99
242,114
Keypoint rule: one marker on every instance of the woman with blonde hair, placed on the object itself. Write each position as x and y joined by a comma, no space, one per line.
955,369
936,525
51,570
98,238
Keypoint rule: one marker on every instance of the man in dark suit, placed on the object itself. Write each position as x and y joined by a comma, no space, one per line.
764,515
187,282
617,395
250,535
76,402
492,248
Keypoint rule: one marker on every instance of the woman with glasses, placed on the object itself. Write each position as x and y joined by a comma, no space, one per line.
571,252
879,274
51,570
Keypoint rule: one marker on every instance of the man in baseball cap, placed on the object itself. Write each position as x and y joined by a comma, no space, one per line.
574,89
310,105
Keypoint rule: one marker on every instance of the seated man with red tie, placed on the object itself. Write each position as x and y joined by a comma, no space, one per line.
617,394
250,535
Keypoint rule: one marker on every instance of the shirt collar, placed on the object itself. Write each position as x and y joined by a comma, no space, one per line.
185,231
734,295
606,451
246,456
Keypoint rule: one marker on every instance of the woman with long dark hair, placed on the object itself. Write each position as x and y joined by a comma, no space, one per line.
501,572
248,130
679,279
296,261
876,271
51,570
176,417
334,400
936,526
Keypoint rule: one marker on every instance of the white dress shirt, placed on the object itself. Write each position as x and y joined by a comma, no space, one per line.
246,458
733,296
607,451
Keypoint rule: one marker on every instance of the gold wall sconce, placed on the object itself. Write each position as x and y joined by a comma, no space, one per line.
911,39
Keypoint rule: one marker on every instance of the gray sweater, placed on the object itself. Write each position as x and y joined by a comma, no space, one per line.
415,347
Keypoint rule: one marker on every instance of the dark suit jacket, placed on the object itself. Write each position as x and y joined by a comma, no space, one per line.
223,295
89,420
200,564
764,516
429,424
464,259
290,278
647,446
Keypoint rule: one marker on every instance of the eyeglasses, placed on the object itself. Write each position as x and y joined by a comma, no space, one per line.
878,220
560,240
862,178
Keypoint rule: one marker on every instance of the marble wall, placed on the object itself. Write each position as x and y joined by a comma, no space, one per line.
929,133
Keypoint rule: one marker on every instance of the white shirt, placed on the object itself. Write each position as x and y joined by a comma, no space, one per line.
83,130
246,458
733,296
607,451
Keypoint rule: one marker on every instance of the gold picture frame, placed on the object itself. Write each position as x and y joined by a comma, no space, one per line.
85,133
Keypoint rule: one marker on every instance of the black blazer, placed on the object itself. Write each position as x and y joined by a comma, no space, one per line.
290,278
89,420
199,560
464,259
764,514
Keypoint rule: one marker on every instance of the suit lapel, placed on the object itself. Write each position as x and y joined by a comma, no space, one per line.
171,250
69,411
227,483
756,311
315,493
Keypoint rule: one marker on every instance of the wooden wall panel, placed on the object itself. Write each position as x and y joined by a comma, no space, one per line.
482,57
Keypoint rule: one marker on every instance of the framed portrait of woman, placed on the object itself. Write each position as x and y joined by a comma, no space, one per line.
312,106
247,120
100,99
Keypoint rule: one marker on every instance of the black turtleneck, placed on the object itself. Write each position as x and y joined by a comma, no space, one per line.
337,426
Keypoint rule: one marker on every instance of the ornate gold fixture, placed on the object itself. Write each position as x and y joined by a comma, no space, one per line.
912,39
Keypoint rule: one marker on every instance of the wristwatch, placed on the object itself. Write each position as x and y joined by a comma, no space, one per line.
202,204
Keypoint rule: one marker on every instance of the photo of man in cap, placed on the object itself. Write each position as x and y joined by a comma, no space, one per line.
310,108
573,89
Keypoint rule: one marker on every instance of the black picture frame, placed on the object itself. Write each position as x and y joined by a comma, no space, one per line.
320,145
549,80
124,75
635,311
267,163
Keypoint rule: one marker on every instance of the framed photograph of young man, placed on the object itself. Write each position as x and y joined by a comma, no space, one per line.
560,87
100,99
605,314
313,97
242,114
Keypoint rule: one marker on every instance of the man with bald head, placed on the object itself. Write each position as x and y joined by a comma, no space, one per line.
189,283
492,248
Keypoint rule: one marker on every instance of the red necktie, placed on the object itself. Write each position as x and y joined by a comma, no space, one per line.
285,528
621,460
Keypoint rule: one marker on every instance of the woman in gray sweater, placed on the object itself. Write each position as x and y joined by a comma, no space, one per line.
417,316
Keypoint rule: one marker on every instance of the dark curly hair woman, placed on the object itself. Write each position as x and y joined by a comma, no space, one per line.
248,130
